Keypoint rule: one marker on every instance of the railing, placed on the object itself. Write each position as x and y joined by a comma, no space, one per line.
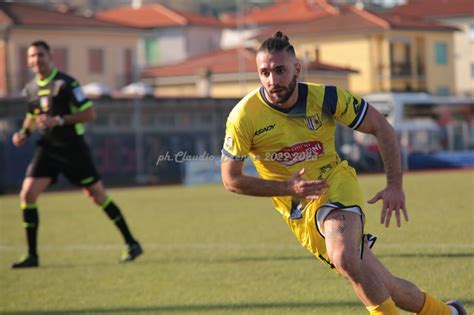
400,69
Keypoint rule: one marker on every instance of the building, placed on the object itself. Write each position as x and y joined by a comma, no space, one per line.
242,25
228,73
169,36
77,44
459,13
392,52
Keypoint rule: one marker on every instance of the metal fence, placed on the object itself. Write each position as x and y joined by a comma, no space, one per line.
128,137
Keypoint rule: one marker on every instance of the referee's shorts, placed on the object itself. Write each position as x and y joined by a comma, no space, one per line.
74,162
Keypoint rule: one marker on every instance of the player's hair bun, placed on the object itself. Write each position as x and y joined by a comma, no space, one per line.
280,35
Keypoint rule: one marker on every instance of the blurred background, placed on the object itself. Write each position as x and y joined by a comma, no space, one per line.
164,75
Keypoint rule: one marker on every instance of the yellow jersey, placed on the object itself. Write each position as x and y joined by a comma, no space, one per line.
281,142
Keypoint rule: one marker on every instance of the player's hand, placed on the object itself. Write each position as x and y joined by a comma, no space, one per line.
45,121
393,199
19,138
305,189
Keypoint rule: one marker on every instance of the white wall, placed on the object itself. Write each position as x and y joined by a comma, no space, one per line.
171,45
463,54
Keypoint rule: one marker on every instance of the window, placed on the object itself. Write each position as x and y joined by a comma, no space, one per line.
442,91
441,53
151,52
96,61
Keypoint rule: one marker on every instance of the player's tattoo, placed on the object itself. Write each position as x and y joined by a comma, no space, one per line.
340,229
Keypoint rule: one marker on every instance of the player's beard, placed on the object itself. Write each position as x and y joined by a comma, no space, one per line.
288,91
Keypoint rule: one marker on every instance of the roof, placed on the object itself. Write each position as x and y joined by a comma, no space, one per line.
318,66
436,8
155,15
232,60
34,15
398,21
283,12
350,19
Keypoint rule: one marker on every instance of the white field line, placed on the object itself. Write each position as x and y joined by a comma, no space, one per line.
227,246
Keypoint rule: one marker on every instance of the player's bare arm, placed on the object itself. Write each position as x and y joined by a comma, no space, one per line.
392,195
45,121
19,137
235,181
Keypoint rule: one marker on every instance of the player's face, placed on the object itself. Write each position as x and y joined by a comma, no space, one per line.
39,60
278,74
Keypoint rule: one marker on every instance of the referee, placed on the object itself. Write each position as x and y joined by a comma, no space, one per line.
58,108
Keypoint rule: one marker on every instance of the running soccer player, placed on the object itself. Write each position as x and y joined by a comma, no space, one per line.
58,108
287,128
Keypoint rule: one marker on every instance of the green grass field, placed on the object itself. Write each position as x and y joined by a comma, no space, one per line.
208,251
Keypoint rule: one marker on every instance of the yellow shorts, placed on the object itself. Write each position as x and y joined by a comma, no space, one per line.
344,192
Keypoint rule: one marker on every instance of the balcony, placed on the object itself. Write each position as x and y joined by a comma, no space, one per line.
400,69
403,70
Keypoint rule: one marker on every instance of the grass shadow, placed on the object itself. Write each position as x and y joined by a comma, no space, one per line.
429,255
191,309
196,308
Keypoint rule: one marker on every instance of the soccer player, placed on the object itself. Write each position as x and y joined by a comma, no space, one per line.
287,128
58,108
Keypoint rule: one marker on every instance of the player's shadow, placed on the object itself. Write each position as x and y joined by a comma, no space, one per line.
259,259
196,309
254,259
321,307
429,255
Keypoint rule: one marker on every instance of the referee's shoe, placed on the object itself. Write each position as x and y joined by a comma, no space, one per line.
131,253
30,261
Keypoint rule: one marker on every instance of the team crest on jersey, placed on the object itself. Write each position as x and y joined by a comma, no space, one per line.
44,103
314,122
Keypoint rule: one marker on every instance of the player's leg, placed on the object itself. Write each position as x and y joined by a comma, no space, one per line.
343,232
32,187
404,293
98,195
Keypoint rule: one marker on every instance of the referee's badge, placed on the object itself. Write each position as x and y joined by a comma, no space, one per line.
44,103
314,122
79,94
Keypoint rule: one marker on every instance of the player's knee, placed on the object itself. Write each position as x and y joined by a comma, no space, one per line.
347,264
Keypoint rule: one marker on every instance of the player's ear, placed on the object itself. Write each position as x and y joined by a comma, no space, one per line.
298,68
